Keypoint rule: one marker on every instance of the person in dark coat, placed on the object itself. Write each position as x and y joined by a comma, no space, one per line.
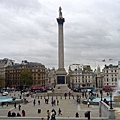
38,102
76,115
19,107
9,114
15,105
23,113
59,112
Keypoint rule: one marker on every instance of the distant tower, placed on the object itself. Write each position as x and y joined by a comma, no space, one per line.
61,73
98,69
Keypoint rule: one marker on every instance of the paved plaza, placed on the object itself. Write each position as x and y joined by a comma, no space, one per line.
68,106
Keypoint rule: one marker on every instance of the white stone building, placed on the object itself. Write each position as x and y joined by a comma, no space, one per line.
81,76
110,73
50,77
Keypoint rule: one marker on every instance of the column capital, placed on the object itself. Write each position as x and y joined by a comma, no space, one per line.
60,21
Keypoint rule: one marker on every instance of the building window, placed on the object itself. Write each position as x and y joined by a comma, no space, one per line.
115,79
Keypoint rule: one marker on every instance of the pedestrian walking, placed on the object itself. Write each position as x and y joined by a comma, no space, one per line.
38,102
19,107
48,114
53,115
88,103
59,112
15,105
34,102
57,102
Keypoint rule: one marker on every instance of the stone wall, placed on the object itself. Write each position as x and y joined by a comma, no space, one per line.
105,110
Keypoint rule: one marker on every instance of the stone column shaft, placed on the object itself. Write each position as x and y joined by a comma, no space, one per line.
61,47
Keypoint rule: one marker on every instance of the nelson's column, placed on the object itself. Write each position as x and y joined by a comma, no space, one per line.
61,86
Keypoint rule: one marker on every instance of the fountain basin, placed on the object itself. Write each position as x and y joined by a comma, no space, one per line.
7,99
116,98
96,100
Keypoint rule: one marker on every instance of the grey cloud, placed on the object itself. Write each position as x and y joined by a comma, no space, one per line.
29,30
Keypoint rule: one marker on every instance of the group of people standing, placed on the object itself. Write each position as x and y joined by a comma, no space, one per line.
52,115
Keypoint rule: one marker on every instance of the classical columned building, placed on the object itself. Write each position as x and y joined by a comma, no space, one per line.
82,76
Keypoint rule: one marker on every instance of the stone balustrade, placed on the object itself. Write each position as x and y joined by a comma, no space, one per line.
105,110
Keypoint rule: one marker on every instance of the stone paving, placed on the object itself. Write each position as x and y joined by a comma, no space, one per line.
68,106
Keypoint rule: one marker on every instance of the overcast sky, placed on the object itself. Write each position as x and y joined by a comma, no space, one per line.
29,31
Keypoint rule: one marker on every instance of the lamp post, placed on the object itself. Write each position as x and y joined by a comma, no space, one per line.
101,94
111,100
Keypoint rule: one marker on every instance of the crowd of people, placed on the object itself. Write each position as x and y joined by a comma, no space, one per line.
51,114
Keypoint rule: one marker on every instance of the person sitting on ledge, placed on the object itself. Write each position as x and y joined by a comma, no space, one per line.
76,115
18,115
9,114
106,101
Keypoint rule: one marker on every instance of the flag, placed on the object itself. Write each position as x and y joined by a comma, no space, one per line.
103,60
110,59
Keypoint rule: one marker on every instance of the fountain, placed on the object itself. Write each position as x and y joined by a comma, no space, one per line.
116,97
117,92
7,99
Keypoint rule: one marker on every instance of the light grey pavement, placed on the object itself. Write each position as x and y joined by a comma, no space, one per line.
68,106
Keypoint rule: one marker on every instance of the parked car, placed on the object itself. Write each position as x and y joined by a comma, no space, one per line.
38,91
44,90
4,93
76,89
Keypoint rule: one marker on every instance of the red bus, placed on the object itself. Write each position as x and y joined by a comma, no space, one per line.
108,88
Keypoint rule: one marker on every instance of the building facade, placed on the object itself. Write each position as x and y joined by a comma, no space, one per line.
110,73
3,64
51,78
13,73
82,76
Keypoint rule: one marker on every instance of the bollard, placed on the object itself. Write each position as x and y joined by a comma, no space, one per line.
41,97
38,97
73,97
39,110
